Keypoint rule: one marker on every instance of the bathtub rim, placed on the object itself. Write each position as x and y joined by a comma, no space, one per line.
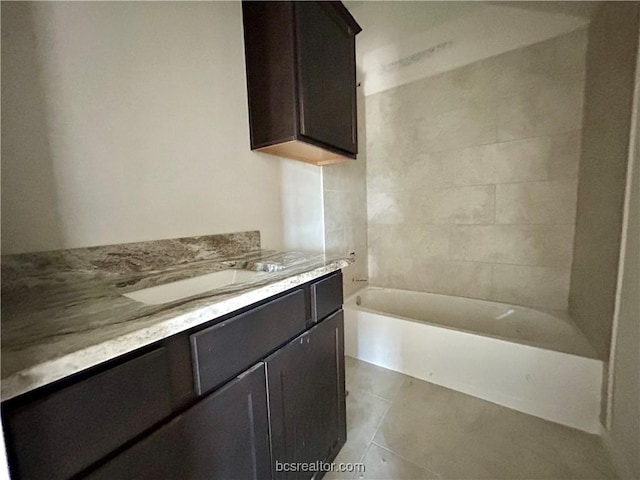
350,302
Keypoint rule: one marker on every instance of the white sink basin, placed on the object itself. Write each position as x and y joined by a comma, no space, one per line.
170,292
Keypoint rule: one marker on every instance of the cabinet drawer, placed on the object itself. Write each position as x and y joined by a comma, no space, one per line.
326,297
63,433
224,350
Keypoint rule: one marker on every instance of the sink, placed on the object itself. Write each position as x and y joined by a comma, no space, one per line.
170,292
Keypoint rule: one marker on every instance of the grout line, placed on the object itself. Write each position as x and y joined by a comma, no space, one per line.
533,137
495,205
492,292
473,224
462,260
469,185
439,475
379,424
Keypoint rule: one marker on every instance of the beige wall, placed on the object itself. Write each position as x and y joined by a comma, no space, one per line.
624,389
406,41
345,209
625,408
603,165
127,121
472,177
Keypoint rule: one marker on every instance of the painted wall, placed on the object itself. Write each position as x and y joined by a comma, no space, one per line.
624,386
127,121
403,42
472,177
603,166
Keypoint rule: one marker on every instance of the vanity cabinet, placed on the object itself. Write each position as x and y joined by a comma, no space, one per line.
306,395
301,79
224,436
222,400
59,434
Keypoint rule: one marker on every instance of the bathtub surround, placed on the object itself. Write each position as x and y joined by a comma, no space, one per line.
472,177
610,77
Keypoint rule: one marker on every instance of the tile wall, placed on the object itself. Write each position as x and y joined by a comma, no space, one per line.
472,177
345,210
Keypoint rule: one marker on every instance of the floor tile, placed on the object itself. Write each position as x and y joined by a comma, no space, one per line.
381,464
458,436
372,379
364,414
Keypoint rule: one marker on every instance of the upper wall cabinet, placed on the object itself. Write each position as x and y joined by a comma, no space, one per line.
301,79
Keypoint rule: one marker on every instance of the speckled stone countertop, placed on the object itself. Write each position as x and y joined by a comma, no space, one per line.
64,311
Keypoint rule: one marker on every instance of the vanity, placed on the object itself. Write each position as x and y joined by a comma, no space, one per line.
245,394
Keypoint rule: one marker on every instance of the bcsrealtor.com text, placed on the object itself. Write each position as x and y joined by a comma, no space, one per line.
318,466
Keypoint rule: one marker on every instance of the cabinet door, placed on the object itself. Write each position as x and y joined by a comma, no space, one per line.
326,76
225,436
306,398
63,433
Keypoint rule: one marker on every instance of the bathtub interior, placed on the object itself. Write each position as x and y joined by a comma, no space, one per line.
553,330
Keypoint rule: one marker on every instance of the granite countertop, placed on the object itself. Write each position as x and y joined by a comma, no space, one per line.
64,311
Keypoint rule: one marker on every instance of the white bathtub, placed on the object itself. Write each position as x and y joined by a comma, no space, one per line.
537,362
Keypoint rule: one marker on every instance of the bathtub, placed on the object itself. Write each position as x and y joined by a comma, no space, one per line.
534,361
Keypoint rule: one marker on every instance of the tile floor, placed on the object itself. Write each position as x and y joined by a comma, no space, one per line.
401,427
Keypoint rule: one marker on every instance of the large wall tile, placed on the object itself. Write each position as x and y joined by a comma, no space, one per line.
334,209
391,271
466,279
564,156
558,59
541,245
515,161
537,203
463,87
387,207
459,88
334,241
554,109
463,127
424,171
475,169
428,171
534,286
415,241
457,205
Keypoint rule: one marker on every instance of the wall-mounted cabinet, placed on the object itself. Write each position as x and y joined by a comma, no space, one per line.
301,79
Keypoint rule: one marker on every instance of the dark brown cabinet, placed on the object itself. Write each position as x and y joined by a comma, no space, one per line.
224,436
59,435
224,400
301,79
306,395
